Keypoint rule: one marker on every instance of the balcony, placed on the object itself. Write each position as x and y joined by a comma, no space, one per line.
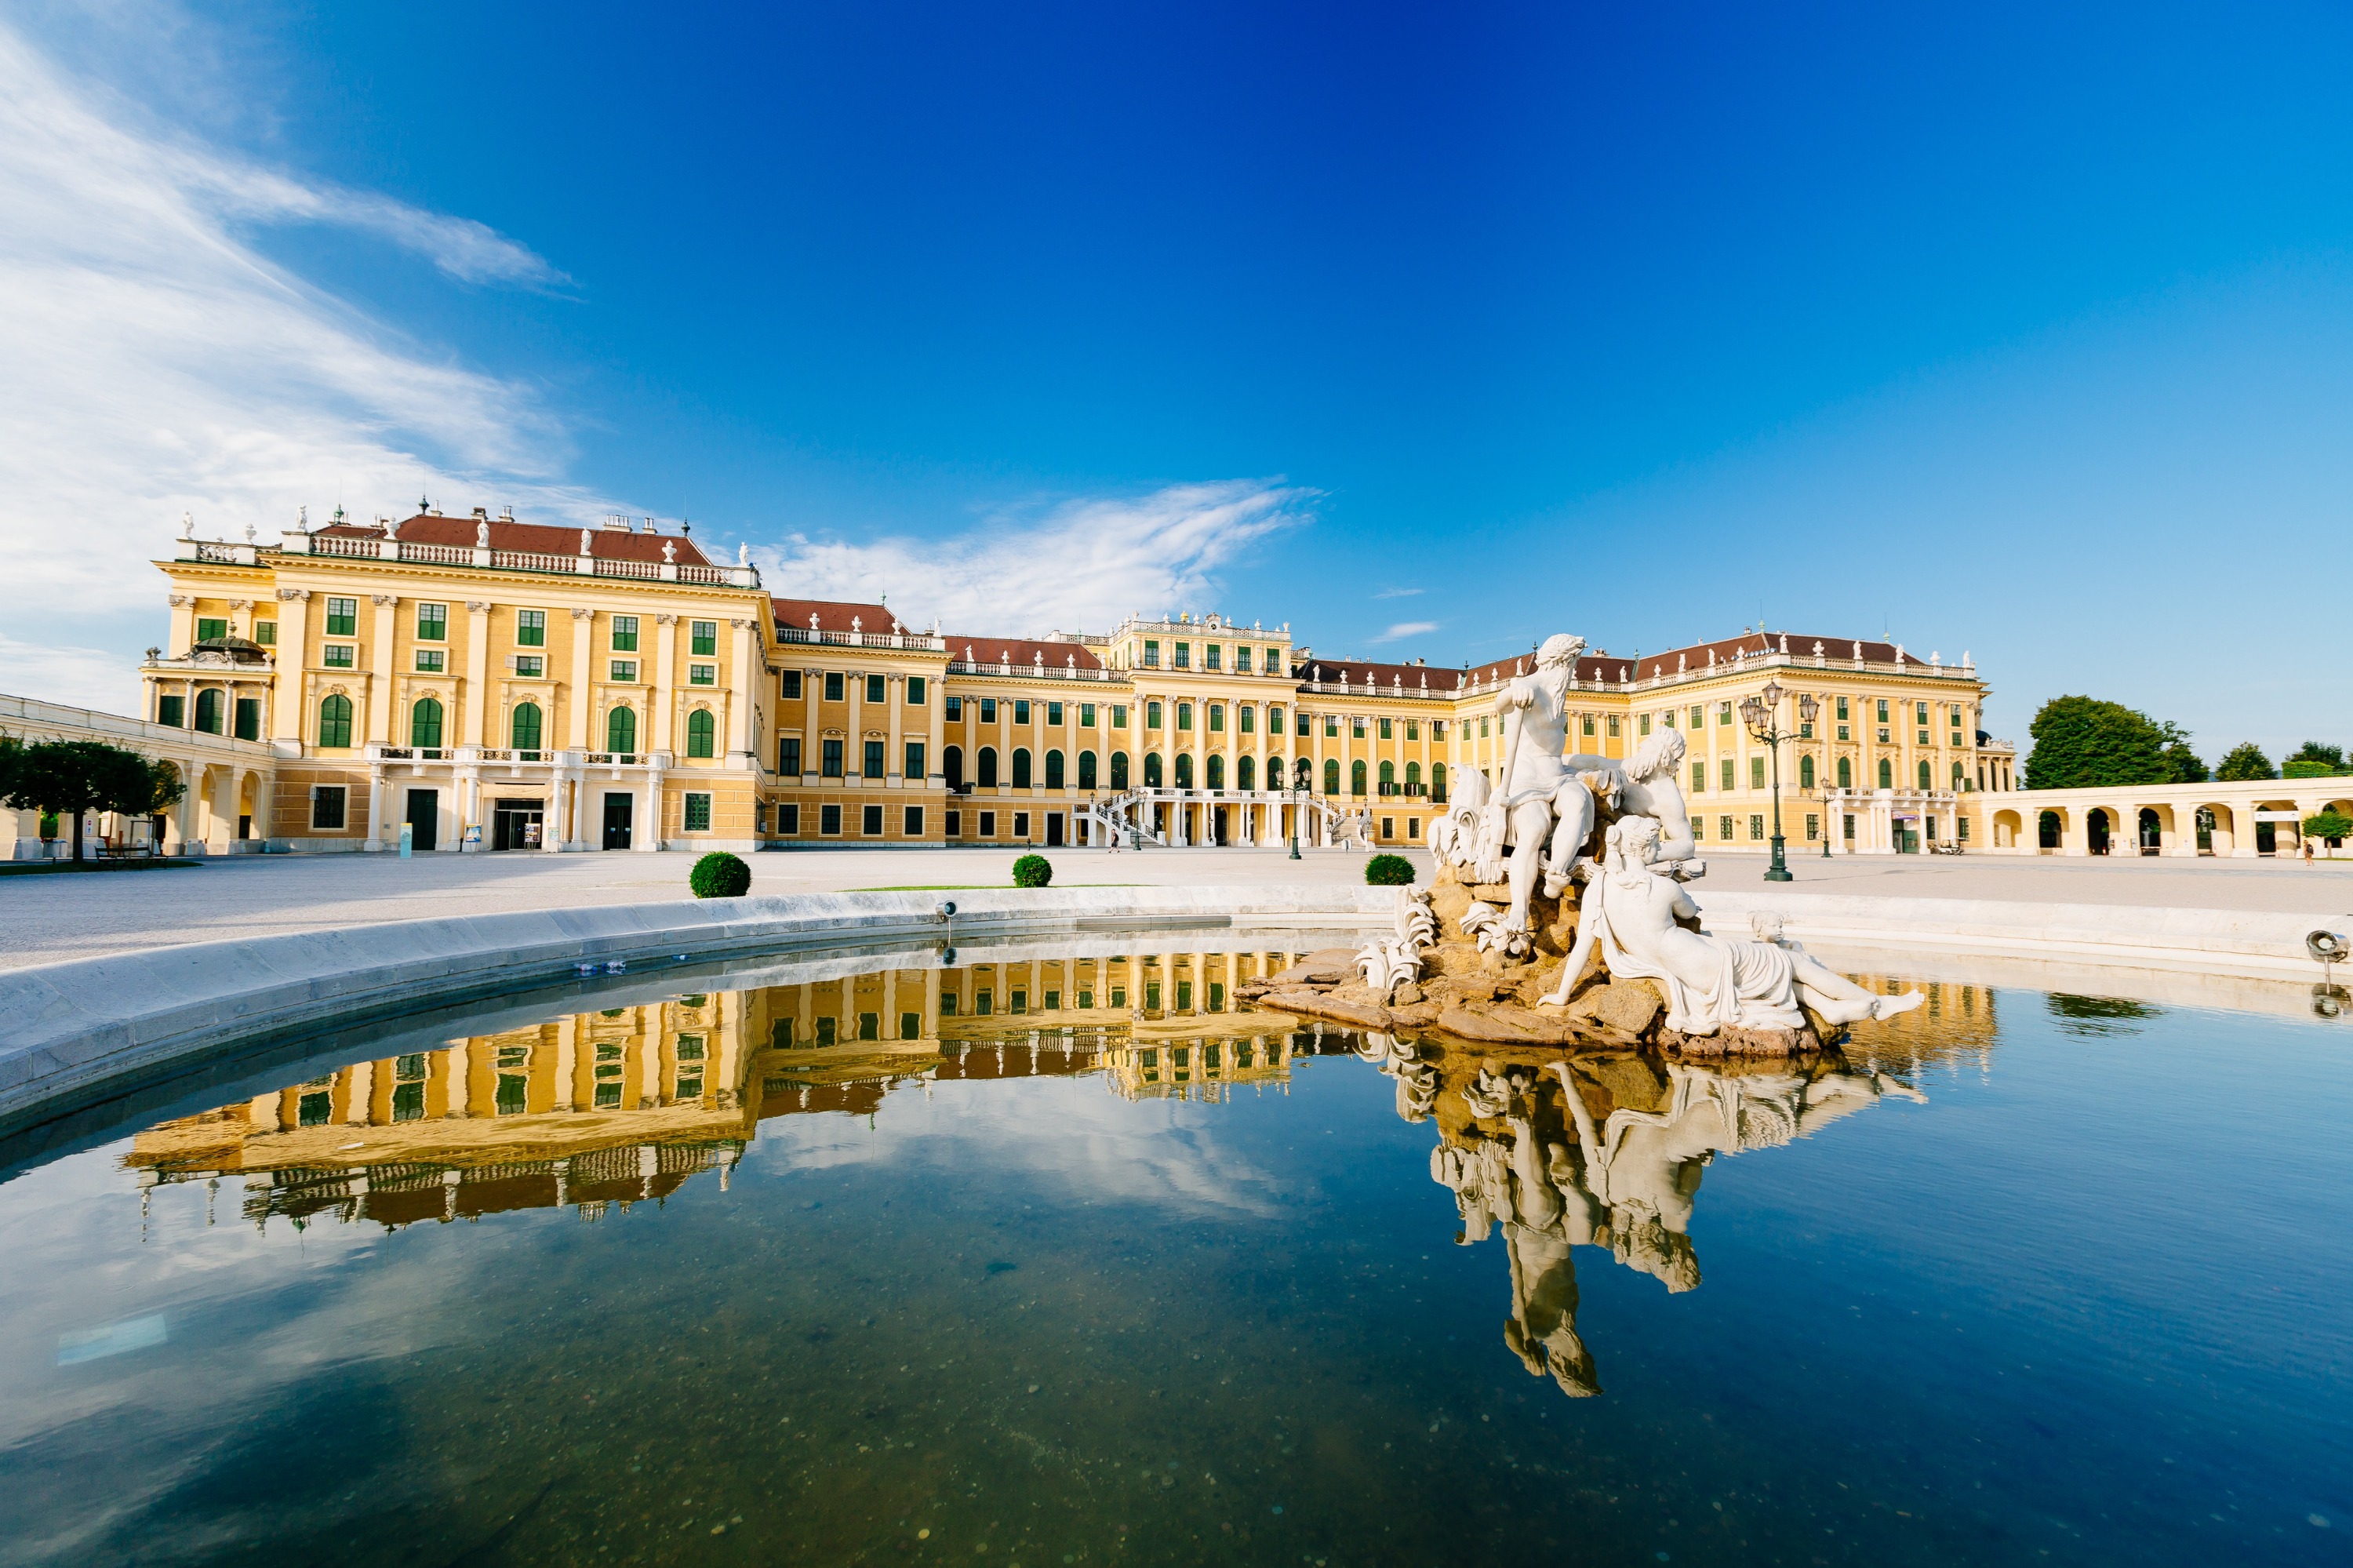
920,642
479,557
1036,669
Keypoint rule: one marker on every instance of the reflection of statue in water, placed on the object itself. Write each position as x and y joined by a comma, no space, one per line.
1710,981
1608,1152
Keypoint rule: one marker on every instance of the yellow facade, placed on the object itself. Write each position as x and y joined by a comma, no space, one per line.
463,678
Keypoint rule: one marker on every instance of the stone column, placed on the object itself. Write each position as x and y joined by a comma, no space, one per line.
581,701
932,1003
188,815
378,679
663,702
374,839
476,696
649,834
936,705
291,657
894,748
747,671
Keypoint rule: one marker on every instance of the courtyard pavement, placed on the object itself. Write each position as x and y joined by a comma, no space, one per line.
47,919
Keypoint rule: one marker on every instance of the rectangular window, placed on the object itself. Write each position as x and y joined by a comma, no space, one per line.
1184,655
1248,719
788,756
788,685
1413,729
701,638
1217,718
832,760
1357,727
1841,708
1054,714
1614,726
209,627
1017,1000
1332,726
432,623
878,689
625,670
1243,659
1209,656
870,821
1272,662
1961,828
1413,827
984,1001
529,666
1883,710
1585,724
955,709
988,710
1303,726
954,824
1020,825
1642,724
703,674
833,685
1723,829
1151,654
1845,732
914,759
873,759
327,803
828,820
918,691
336,656
788,819
172,712
1086,716
1920,714
1119,996
1757,773
1698,719
342,617
1805,730
911,822
1813,826
1756,827
1020,710
429,660
698,811
1923,737
624,634
1386,728
1723,713
1388,827
264,632
1727,771
1438,729
1699,777
988,824
530,629
1848,827
1152,715
1184,715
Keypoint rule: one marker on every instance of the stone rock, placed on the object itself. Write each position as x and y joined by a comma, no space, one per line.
1406,995
1630,1007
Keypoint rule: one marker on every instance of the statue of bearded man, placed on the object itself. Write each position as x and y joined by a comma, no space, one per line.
1537,790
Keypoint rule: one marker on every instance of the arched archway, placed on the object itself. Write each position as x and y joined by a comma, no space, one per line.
2047,831
2150,832
984,770
952,766
1021,767
2007,827
2096,831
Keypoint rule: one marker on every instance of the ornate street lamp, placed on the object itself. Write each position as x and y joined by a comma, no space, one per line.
1762,714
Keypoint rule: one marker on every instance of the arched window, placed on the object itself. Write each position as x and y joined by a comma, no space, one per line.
1217,771
1331,776
1303,774
1356,776
1151,770
1413,777
1119,769
424,722
621,730
701,733
985,775
1021,767
1886,774
1246,774
1086,769
524,731
1184,770
1927,779
952,766
1805,773
1845,773
1053,770
1438,782
1960,780
335,721
1389,778
208,710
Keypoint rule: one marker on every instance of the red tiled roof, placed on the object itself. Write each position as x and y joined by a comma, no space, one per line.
1021,652
832,615
1615,668
535,538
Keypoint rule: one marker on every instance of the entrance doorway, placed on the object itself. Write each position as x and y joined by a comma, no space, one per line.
1220,833
516,825
1054,830
424,818
2096,831
620,811
2152,833
1906,834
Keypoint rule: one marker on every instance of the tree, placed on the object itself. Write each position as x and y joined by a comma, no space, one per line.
2188,767
2315,760
2332,826
2246,760
2081,741
75,777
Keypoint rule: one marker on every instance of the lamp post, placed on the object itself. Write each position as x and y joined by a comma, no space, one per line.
1762,714
1285,791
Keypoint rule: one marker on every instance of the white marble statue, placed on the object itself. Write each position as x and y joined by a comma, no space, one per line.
1711,981
1818,978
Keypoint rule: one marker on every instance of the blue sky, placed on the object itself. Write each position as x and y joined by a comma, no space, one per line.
1997,330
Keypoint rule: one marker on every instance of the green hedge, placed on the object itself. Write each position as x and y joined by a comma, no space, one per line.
1032,871
719,876
1388,871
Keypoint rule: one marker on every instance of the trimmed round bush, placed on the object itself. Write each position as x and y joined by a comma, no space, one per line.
1032,871
719,876
1388,871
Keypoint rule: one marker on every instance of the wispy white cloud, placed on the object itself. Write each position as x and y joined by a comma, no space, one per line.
1077,564
159,363
1398,593
1405,629
77,677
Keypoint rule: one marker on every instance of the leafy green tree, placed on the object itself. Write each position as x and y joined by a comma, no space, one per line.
2315,760
2246,760
74,776
2332,827
2188,767
1388,871
2081,741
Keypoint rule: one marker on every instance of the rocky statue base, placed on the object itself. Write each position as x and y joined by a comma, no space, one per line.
1467,991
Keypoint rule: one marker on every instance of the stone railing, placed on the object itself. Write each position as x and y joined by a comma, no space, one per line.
387,547
921,641
468,755
1034,670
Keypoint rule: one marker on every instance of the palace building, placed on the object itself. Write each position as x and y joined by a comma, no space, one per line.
481,683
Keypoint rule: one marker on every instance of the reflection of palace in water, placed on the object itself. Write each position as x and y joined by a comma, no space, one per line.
625,1104
1607,1150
